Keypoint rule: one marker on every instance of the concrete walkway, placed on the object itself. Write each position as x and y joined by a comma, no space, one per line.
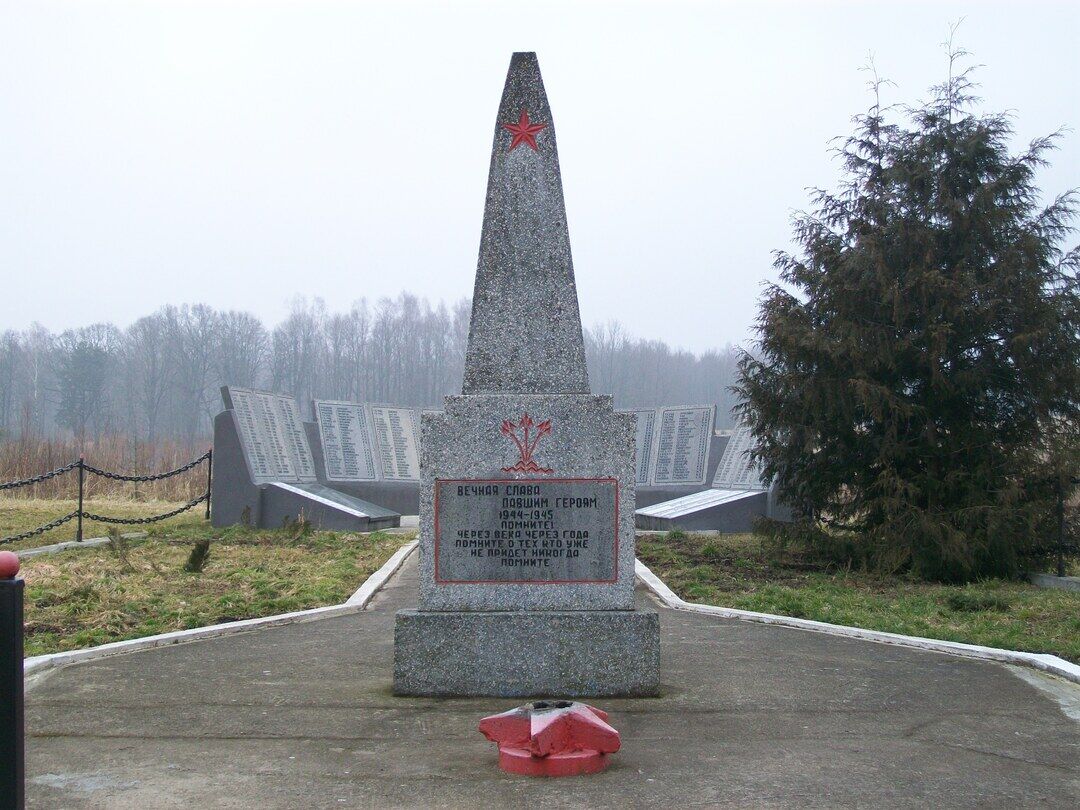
302,716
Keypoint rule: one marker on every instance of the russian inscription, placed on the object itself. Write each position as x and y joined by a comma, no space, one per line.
737,470
526,531
683,436
345,432
395,432
643,447
272,436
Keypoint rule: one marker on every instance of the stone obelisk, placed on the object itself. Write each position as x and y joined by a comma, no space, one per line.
526,479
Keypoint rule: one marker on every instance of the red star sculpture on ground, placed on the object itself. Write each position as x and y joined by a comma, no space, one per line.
524,131
552,738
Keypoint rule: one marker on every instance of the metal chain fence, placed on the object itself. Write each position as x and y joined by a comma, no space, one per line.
133,521
81,514
60,521
156,477
37,479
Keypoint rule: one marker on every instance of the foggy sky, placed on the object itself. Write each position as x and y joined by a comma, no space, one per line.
242,153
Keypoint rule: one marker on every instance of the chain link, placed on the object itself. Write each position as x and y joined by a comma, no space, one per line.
40,529
134,521
103,519
37,479
157,477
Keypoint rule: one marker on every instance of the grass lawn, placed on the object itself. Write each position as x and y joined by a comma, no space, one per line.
91,596
18,515
737,571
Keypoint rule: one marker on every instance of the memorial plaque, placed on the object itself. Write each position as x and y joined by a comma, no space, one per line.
736,470
643,446
526,531
395,431
272,434
683,436
346,435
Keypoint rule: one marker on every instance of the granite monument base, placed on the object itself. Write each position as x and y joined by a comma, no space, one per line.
503,653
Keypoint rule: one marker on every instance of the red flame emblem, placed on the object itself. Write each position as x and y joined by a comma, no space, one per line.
526,443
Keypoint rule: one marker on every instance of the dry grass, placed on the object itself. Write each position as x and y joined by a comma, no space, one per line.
26,458
127,590
18,515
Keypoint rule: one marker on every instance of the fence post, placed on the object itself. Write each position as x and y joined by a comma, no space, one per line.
12,730
209,478
82,479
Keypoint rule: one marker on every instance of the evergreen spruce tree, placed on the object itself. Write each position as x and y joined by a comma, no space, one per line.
915,388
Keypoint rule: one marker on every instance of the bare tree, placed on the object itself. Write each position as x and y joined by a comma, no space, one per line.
240,349
12,360
192,331
84,362
149,373
296,351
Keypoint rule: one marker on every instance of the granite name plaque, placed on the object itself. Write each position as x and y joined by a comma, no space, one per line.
526,531
681,451
736,469
395,431
643,447
272,436
346,435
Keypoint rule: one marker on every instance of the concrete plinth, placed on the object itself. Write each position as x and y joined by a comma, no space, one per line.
572,653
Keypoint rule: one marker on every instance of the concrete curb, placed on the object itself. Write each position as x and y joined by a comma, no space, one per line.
1055,582
1046,663
354,604
92,542
372,584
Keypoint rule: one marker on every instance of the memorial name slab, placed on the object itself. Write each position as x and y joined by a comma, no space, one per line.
736,469
672,444
643,446
682,440
552,530
346,435
271,435
395,431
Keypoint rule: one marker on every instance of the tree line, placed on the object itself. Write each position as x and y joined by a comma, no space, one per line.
159,379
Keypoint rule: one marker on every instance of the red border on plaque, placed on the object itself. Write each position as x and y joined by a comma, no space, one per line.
615,567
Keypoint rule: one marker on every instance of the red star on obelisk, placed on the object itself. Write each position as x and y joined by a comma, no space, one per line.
524,131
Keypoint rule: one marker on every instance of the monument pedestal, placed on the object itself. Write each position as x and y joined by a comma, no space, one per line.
527,579
501,653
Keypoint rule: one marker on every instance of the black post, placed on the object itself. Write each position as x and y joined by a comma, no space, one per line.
82,479
12,741
209,478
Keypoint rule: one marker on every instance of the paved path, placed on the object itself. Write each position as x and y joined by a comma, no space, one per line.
302,716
